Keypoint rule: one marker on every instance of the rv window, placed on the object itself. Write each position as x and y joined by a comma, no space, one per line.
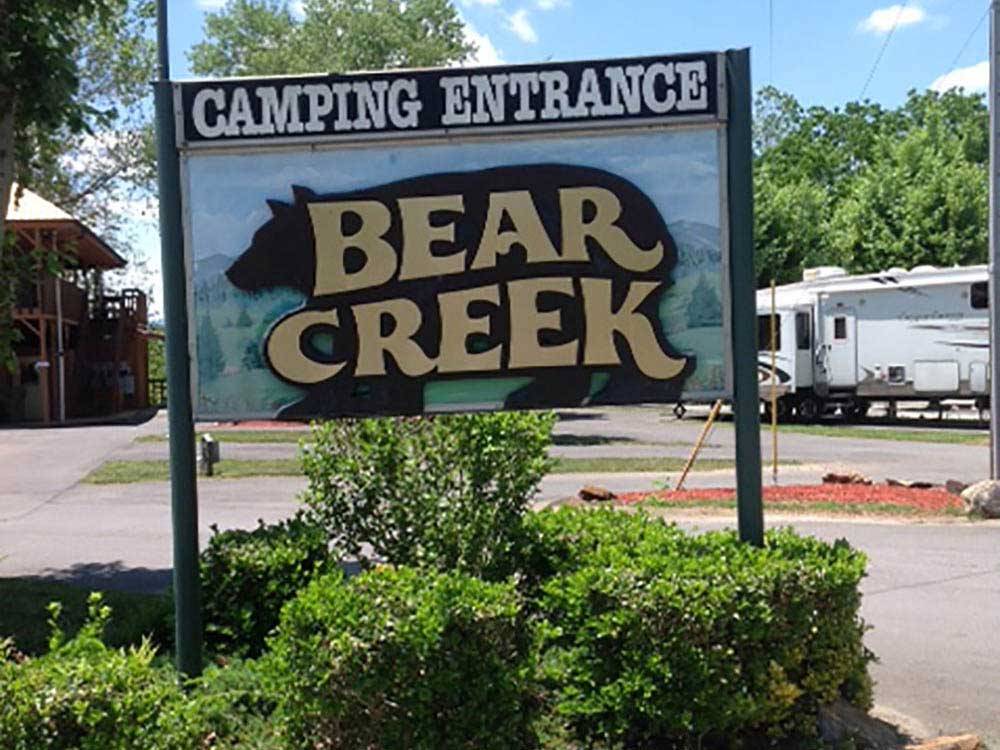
764,332
803,334
840,328
979,296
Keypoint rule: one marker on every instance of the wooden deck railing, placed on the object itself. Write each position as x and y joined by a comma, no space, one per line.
40,299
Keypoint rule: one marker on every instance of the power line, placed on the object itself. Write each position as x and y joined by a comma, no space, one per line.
770,41
888,37
972,34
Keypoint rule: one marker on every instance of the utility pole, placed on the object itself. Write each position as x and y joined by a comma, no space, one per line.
183,487
994,266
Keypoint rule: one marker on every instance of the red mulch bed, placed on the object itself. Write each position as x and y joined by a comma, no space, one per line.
931,501
262,424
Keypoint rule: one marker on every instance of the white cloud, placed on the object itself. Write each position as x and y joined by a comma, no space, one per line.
486,53
973,78
518,23
551,4
884,20
467,3
211,4
298,8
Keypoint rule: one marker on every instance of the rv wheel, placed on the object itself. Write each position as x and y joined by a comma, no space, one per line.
783,410
855,409
809,409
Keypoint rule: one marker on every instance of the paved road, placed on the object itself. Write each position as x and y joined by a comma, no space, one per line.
38,466
932,595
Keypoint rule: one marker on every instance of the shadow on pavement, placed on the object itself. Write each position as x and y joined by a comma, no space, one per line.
567,439
109,577
117,577
124,419
576,416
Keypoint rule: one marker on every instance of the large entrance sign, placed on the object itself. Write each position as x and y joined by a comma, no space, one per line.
412,242
502,238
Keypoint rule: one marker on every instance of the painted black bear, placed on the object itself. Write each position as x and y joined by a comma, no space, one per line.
283,254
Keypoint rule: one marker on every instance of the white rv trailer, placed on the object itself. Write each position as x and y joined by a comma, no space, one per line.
845,341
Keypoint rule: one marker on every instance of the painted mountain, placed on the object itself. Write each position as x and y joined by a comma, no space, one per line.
699,247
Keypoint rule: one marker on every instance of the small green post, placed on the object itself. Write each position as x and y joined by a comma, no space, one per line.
743,299
183,478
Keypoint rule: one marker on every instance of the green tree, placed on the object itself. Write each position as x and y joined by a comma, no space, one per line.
104,174
921,202
252,358
261,37
704,309
39,77
157,358
72,77
869,188
790,226
211,360
776,115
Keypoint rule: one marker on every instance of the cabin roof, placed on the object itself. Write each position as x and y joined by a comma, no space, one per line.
29,211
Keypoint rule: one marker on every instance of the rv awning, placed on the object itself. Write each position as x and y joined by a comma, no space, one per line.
31,211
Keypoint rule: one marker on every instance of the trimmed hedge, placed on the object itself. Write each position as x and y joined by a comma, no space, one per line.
247,576
403,659
651,637
617,632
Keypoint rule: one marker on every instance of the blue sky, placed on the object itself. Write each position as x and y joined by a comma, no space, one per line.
823,52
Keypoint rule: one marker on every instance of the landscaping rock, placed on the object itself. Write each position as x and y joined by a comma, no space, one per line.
983,498
955,487
592,493
959,742
840,722
852,478
912,484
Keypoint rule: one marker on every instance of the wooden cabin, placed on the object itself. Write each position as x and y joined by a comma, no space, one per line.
82,350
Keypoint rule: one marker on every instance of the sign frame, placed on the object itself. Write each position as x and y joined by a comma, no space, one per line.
717,120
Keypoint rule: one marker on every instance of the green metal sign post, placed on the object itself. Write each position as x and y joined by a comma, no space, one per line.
743,305
183,482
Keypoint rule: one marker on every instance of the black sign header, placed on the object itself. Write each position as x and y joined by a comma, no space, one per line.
665,88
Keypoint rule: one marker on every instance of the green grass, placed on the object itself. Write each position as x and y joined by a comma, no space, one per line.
852,509
628,465
953,437
240,436
127,472
23,615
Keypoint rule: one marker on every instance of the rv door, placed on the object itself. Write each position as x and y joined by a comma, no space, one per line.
841,347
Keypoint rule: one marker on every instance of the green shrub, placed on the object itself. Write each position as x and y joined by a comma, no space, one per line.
403,659
22,615
447,492
86,696
650,637
231,698
246,577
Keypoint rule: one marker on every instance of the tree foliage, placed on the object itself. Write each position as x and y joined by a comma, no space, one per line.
40,92
262,37
103,172
74,119
211,360
870,188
